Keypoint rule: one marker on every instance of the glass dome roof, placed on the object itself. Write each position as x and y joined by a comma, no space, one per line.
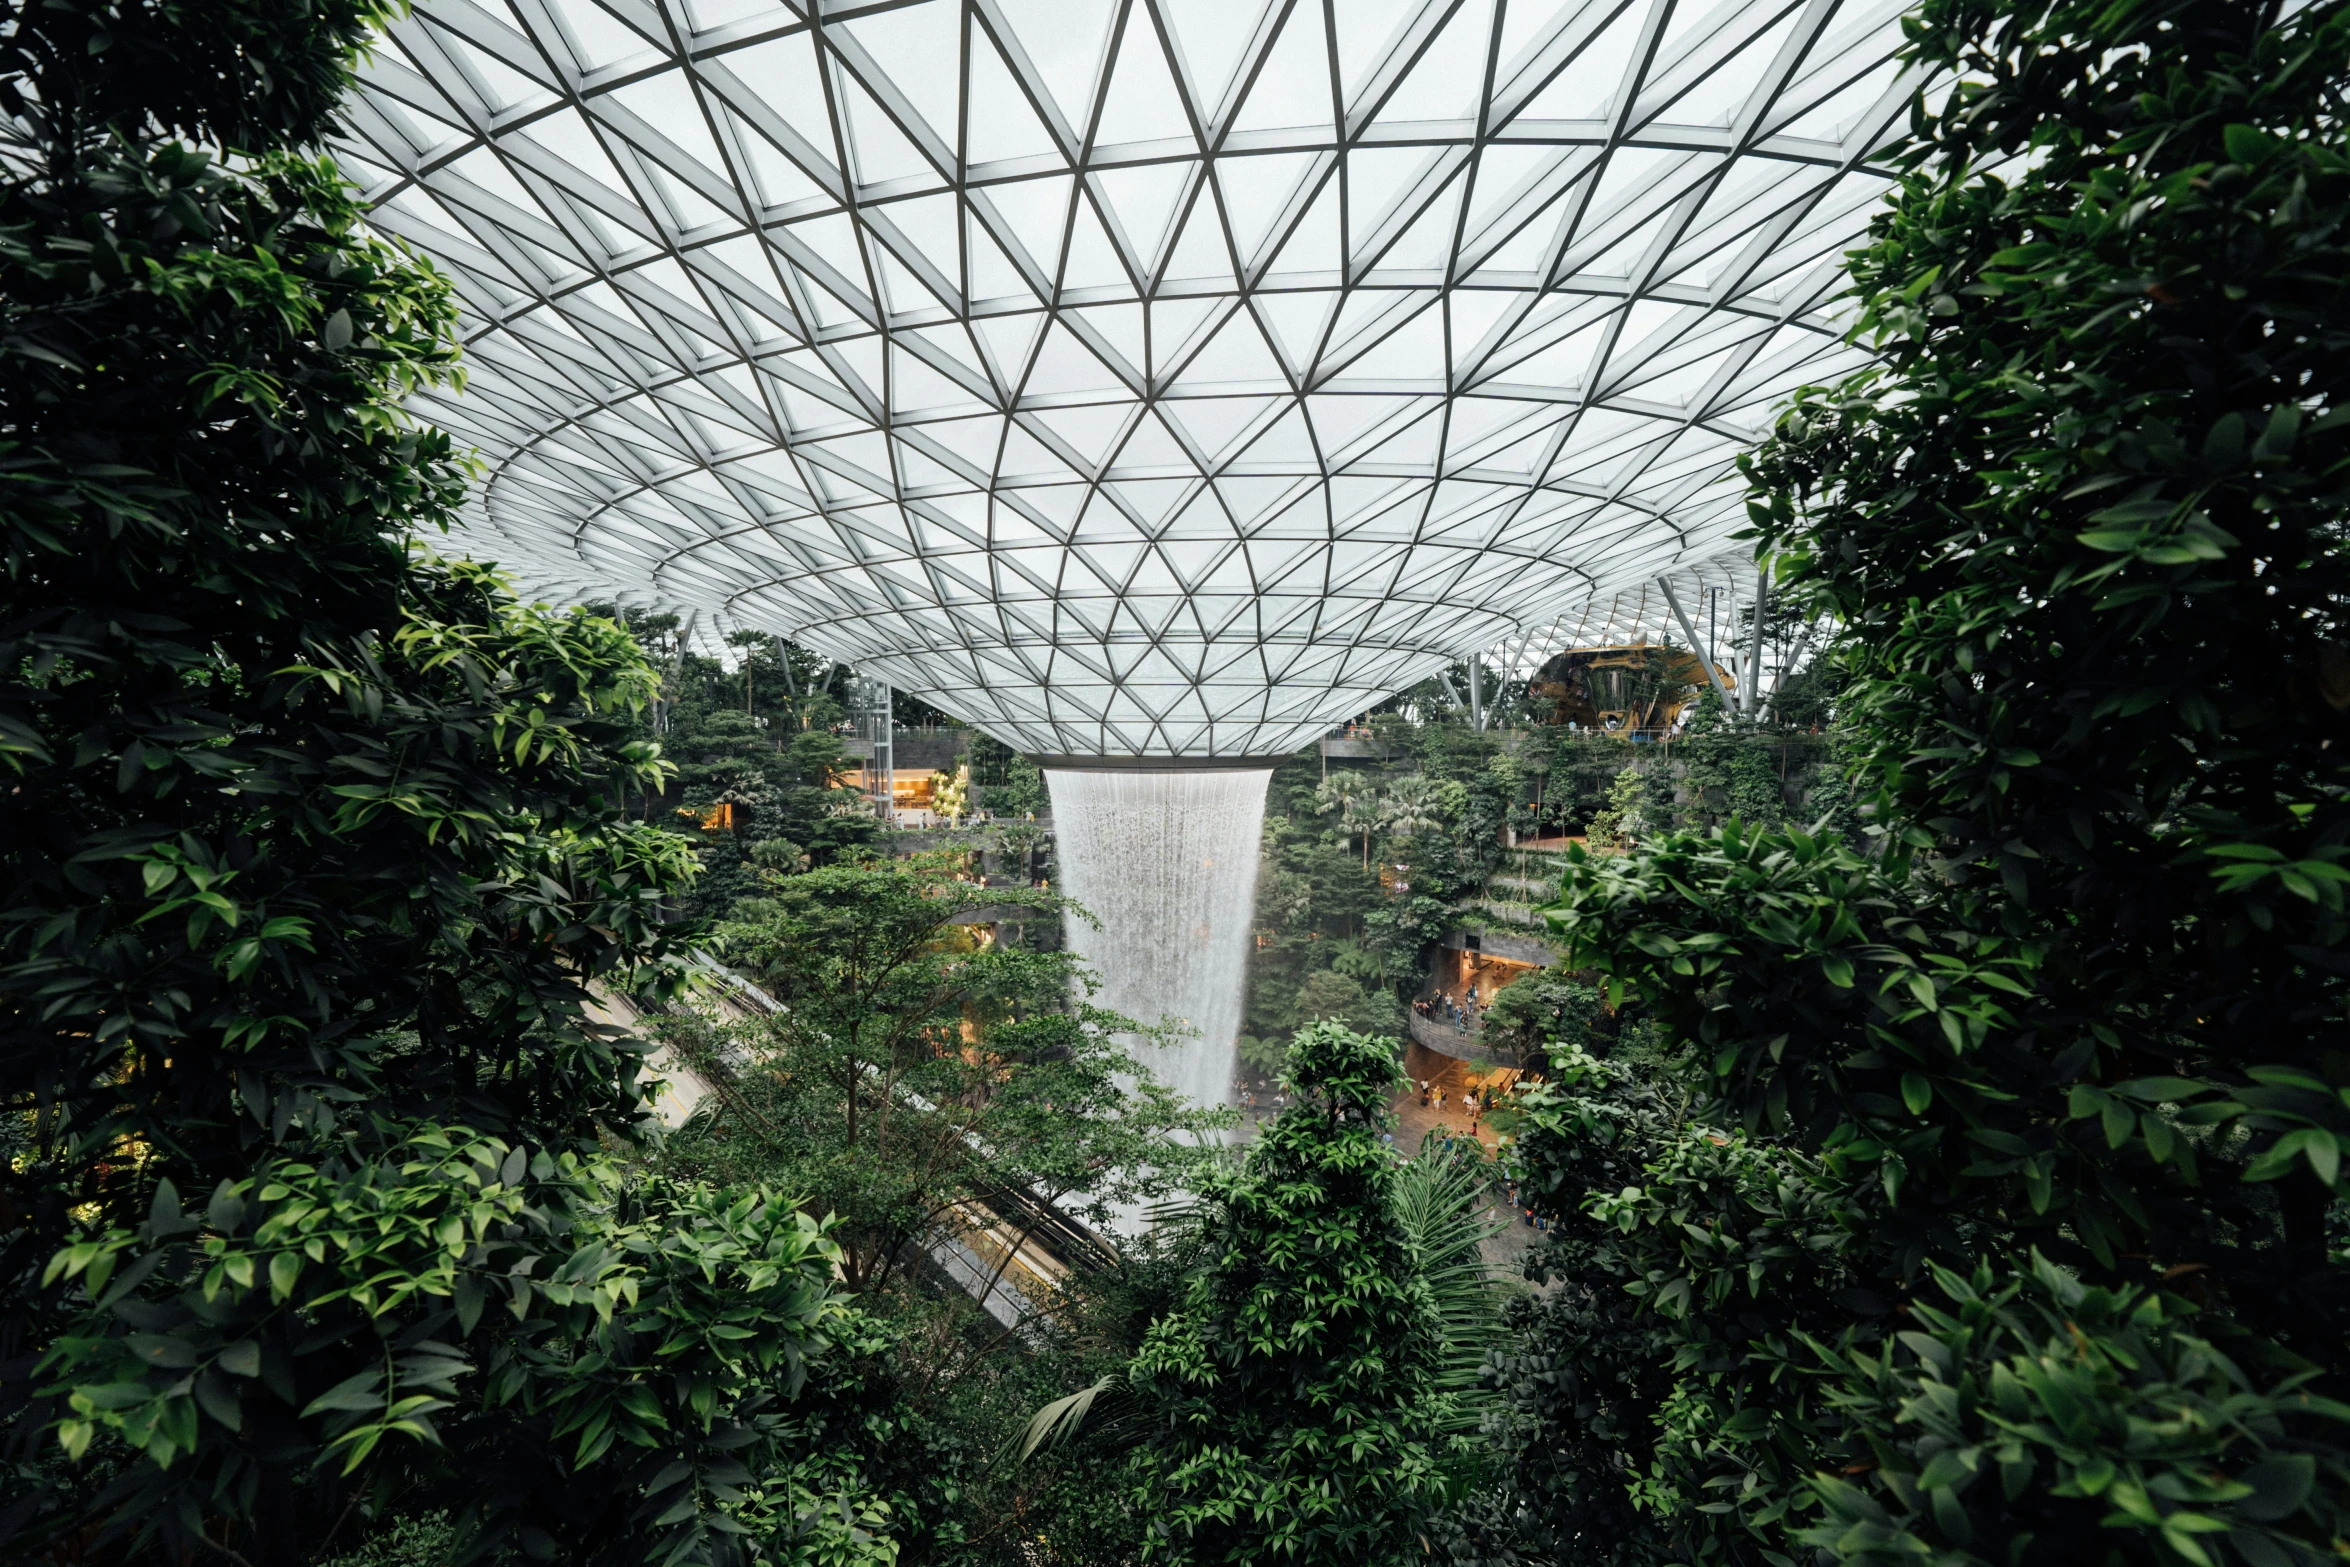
1129,377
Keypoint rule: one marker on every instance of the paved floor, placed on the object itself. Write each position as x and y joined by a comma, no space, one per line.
1447,1079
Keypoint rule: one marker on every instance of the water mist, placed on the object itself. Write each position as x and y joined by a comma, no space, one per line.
1167,862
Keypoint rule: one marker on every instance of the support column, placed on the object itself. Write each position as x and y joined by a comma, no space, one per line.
1762,590
1704,651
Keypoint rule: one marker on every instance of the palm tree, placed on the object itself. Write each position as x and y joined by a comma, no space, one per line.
1351,795
1411,806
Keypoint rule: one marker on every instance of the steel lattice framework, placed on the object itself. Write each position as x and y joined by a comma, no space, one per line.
1131,377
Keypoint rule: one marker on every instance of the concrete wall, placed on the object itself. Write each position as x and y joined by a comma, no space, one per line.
1517,948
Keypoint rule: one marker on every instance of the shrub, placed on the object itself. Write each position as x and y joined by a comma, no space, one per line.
1295,1403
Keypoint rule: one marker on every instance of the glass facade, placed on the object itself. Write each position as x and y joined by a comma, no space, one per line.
1129,377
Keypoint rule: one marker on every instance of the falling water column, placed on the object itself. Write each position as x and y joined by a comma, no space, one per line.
1167,863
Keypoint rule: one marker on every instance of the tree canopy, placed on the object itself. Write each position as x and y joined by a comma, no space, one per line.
313,847
1295,1396
2000,1231
915,1061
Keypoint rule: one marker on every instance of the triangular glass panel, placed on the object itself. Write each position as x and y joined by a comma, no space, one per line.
1155,501
1150,446
1296,322
1093,261
974,440
915,386
1427,246
1413,448
1122,327
1315,250
1292,89
506,88
1030,459
1449,78
1030,216
1065,40
1009,340
915,47
907,293
1212,35
777,181
1366,36
1341,420
1375,178
566,135
1479,314
1236,355
832,312
1588,87
667,103
877,146
1003,123
1201,256
1413,351
993,277
1289,441
1256,190
599,39
1142,198
1090,431
1064,366
1141,104
1213,423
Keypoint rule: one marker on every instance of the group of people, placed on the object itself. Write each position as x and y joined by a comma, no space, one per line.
1515,1199
1255,1100
1474,1102
1463,1014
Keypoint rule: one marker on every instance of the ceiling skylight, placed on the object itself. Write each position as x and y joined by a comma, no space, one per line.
1129,377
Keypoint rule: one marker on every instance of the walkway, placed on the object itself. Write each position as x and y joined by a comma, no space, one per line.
1449,1079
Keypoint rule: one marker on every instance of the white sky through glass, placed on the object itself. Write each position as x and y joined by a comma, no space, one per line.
1130,377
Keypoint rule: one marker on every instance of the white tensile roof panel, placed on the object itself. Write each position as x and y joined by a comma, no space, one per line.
1129,377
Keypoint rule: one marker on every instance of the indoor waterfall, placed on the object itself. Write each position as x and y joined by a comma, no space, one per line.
1167,863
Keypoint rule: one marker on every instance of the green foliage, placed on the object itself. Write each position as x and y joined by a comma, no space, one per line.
758,738
1329,996
416,1540
913,1064
1005,782
1881,1071
1353,799
1732,774
251,77
1539,1012
312,849
1292,1406
1587,1367
617,1365
1999,1230
1632,809
1337,940
2102,684
1313,899
1415,804
1264,1057
1659,1409
2116,1398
